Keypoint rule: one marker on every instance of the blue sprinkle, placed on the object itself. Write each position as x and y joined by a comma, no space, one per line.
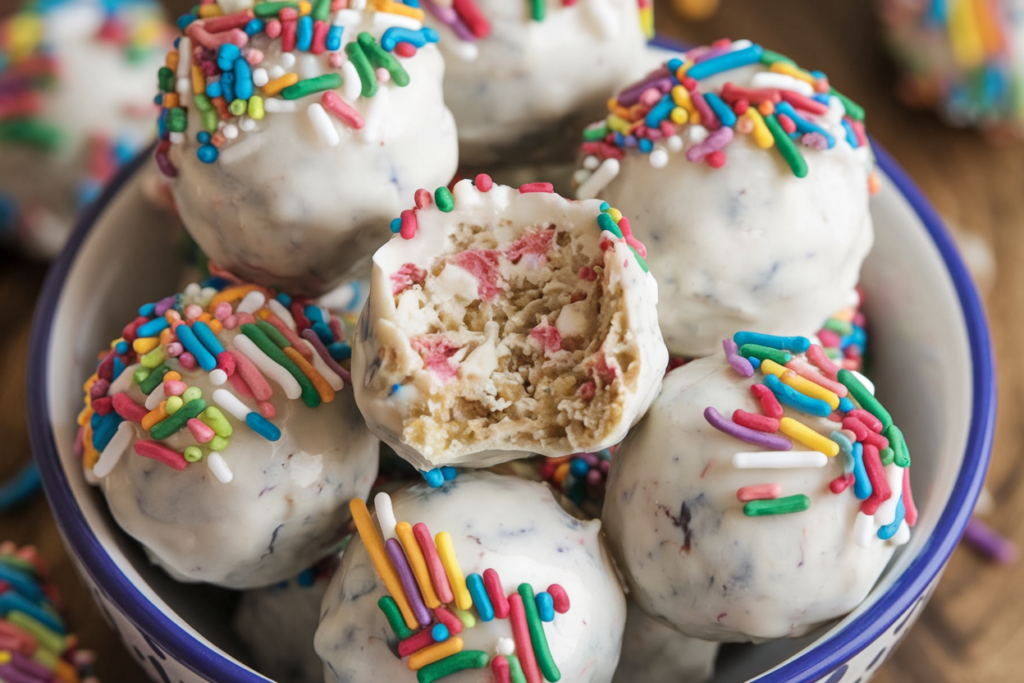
305,578
823,98
207,337
546,606
412,3
482,601
394,389
262,426
333,42
187,336
21,582
11,601
619,139
146,310
726,62
161,124
284,300
314,314
791,397
227,53
340,351
845,405
153,327
449,473
579,467
851,136
820,75
802,124
213,89
159,99
398,34
646,145
756,362
104,429
861,484
889,530
207,154
304,33
604,206
323,331
88,191
396,225
243,78
439,633
203,138
118,368
184,20
122,348
227,85
434,478
722,110
674,64
795,344
254,26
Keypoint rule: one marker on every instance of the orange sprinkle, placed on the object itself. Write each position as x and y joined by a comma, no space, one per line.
560,472
170,99
205,317
874,184
90,456
305,7
172,376
86,414
623,113
766,108
172,60
198,80
269,90
322,387
165,335
216,326
155,416
233,293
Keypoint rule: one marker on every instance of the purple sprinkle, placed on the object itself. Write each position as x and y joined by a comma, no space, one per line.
660,79
990,542
711,53
165,304
412,589
815,141
99,389
738,362
593,477
604,466
449,17
771,441
590,458
309,335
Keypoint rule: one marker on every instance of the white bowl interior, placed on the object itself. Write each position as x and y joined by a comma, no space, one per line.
919,352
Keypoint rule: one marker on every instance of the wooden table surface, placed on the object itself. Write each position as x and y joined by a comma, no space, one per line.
971,630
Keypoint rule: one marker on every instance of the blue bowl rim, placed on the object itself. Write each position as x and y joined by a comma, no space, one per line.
810,666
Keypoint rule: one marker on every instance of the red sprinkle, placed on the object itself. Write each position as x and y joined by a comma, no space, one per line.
226,362
289,28
436,349
869,420
586,390
559,598
909,508
409,224
759,492
415,643
805,103
587,274
492,583
855,426
499,667
453,623
537,242
769,404
761,423
880,491
483,182
319,37
127,408
423,198
404,49
787,124
342,110
483,264
474,19
840,484
104,406
546,188
158,451
715,159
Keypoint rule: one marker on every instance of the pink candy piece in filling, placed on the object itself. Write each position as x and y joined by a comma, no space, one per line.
604,371
537,242
436,349
549,338
483,264
407,276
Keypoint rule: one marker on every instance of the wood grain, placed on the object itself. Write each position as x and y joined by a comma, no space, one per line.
972,628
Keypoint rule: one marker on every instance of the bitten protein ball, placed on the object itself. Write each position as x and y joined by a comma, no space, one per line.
224,435
506,321
76,102
523,77
486,576
747,177
755,504
293,136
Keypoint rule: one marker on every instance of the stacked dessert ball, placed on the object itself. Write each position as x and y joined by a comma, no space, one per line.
507,328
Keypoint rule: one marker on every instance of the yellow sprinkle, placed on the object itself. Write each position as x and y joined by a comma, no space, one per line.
90,456
964,34
5,657
86,413
304,8
647,21
144,345
808,437
681,71
256,108
24,31
615,214
392,7
451,567
618,124
794,71
89,382
467,618
681,96
770,367
419,565
210,10
172,60
680,116
198,80
846,315
149,32
278,84
809,388
435,653
375,547
762,136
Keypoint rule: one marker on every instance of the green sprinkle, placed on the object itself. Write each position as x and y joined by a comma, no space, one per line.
898,445
193,454
218,443
864,397
853,110
391,612
309,393
210,120
366,75
215,420
467,618
778,506
537,9
540,642
154,378
256,107
444,200
460,661
595,134
789,151
606,222
309,86
45,657
191,394
264,10
888,456
177,119
202,102
54,642
165,78
768,58
840,327
32,133
322,10
176,422
173,404
140,374
238,107
764,352
378,56
834,354
274,334
18,563
640,259
515,670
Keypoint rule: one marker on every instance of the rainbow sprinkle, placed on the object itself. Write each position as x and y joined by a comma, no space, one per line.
799,375
581,477
431,601
238,334
784,108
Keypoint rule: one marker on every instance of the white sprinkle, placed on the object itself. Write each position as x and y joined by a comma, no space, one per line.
698,134
351,84
116,447
902,535
230,131
215,461
340,298
264,362
323,125
278,309
778,460
863,530
260,77
599,180
228,401
183,86
591,162
580,176
675,143
868,384
741,44
287,60
604,17
852,299
176,138
770,79
252,302
242,149
192,290
277,105
358,5
463,49
505,647
385,20
155,396
246,124
659,158
276,72
336,382
218,377
378,111
385,515
886,512
205,294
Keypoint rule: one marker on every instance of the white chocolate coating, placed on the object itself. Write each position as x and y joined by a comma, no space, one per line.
692,559
748,245
654,653
281,207
501,392
533,84
503,523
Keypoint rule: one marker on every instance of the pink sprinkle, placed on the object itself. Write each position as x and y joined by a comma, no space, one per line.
245,319
407,276
158,451
815,141
226,362
436,349
336,60
342,110
808,372
338,4
174,388
587,274
546,188
604,371
667,128
631,240
99,389
230,322
175,349
200,430
908,500
404,49
188,361
273,28
267,410
409,224
841,483
707,116
817,355
787,124
193,311
423,198
586,390
383,75
483,182
559,598
222,311
537,242
253,56
549,338
483,264
650,97
759,492
713,143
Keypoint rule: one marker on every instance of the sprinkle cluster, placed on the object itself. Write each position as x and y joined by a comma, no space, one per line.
431,601
216,66
240,334
798,374
844,336
35,645
581,477
784,108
